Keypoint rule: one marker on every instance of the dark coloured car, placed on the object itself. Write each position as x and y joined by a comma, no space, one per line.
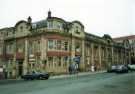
121,69
112,68
35,75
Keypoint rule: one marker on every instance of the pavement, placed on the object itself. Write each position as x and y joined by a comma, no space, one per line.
85,83
12,81
77,74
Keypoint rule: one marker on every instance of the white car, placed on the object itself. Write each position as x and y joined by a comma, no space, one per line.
131,67
121,69
112,68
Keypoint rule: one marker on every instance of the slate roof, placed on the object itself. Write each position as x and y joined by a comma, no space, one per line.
39,24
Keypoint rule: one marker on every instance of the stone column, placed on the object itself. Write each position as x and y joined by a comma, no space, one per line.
43,46
112,61
25,63
100,61
117,56
14,62
106,57
92,55
82,65
129,57
72,49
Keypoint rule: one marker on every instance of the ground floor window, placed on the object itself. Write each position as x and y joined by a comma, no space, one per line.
50,61
59,61
56,61
65,60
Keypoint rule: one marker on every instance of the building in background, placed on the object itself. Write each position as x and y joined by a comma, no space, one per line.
53,44
128,40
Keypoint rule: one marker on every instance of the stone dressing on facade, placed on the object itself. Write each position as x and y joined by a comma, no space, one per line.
53,44
129,42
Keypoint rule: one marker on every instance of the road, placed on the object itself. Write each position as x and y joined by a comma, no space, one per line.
103,83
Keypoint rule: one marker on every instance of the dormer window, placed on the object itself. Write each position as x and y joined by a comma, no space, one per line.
13,32
108,41
77,30
21,28
7,33
34,26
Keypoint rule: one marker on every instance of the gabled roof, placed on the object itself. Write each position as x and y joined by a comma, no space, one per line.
21,21
124,38
78,23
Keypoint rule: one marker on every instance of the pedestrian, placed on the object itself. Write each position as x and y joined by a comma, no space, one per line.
92,68
95,68
5,73
70,69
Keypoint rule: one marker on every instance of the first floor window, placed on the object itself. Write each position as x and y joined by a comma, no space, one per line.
50,25
50,44
66,45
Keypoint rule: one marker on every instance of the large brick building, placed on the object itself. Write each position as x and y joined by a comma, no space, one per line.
129,40
53,44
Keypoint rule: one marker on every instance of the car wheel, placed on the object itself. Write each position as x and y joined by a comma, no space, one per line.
47,78
40,78
31,78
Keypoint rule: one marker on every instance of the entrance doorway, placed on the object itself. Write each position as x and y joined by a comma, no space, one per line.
20,68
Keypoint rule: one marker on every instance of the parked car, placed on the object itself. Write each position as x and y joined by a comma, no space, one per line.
121,69
35,75
112,68
131,67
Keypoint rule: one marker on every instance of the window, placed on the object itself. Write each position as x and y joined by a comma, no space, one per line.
38,46
65,60
77,30
21,28
30,48
20,47
59,45
108,41
59,26
55,44
0,50
66,45
34,26
50,61
59,61
9,48
7,33
50,25
77,48
50,44
55,61
13,32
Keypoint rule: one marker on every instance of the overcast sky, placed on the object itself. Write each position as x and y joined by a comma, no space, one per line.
113,17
